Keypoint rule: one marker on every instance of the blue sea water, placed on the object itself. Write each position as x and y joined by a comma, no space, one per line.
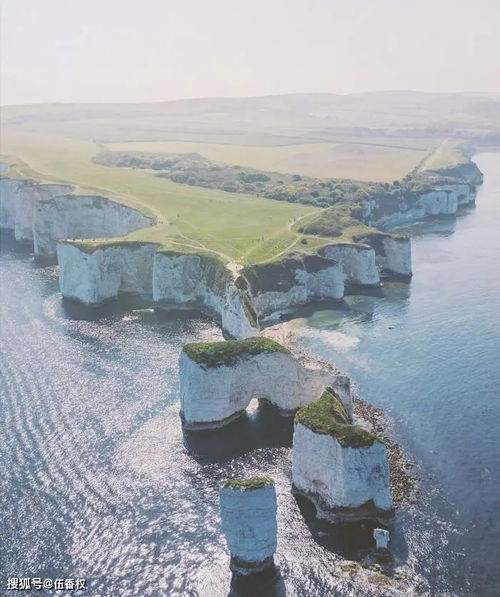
98,480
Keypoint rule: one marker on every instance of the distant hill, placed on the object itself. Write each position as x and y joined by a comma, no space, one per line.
272,119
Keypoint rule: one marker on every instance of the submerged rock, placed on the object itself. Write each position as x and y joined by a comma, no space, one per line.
248,515
218,380
342,468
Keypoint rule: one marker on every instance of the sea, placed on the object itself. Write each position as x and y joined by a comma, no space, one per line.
99,482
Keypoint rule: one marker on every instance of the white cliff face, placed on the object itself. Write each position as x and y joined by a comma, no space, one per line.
46,213
193,281
395,258
357,262
212,395
9,189
79,217
96,277
171,280
18,199
337,476
392,253
440,201
249,524
236,320
324,283
27,197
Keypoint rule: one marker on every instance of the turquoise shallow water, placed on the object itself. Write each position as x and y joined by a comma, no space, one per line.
429,354
98,480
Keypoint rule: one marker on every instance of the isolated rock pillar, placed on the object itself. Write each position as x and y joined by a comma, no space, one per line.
248,513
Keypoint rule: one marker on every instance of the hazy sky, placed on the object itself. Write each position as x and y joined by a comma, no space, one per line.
141,50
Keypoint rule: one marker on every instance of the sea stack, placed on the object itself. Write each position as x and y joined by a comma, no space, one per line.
342,468
219,379
248,514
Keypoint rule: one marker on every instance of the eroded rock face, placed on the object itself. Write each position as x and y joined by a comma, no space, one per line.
392,253
249,524
213,395
440,201
357,261
341,467
295,280
170,280
79,217
46,213
345,483
17,204
9,189
203,282
395,256
98,276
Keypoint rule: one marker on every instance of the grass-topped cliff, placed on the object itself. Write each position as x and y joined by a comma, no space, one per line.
218,354
248,180
328,416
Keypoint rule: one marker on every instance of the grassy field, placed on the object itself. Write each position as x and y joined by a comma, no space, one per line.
365,137
447,153
238,227
370,160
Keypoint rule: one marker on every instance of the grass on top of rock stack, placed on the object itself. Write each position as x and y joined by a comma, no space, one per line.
250,483
217,354
328,416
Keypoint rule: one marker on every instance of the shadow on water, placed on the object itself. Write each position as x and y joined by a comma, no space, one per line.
8,243
268,584
351,541
263,428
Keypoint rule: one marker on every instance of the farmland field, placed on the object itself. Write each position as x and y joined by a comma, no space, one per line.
365,137
238,227
370,160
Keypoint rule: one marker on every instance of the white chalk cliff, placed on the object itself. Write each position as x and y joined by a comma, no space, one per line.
202,281
172,280
442,200
248,516
342,468
392,253
97,275
81,216
43,214
17,204
214,392
294,280
358,262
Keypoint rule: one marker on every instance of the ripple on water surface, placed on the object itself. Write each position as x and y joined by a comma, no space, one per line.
98,479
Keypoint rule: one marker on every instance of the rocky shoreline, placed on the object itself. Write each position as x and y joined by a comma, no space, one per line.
403,480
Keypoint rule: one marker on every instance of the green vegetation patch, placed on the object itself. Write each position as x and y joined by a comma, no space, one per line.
249,310
332,221
218,354
250,483
90,245
328,416
216,273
